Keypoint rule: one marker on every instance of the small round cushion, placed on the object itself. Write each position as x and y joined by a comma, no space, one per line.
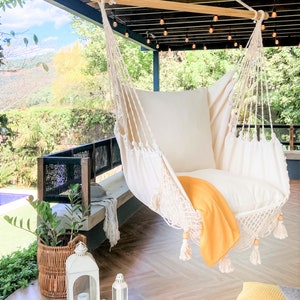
260,291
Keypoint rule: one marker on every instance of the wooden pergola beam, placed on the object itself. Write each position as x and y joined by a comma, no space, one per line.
193,8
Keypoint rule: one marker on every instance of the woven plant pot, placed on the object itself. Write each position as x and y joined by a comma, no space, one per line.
52,268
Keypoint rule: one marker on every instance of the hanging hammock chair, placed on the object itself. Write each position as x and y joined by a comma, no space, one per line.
184,156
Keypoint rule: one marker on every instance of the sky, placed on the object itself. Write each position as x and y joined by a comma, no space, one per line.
50,24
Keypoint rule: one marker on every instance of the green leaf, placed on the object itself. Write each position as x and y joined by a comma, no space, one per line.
35,39
45,67
28,224
25,40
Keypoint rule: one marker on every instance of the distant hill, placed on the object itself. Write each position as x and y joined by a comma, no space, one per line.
23,84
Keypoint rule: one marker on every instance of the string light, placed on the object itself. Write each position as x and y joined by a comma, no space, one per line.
165,31
235,44
194,46
126,33
276,42
229,37
211,29
204,47
263,26
148,41
215,18
274,33
115,23
161,21
157,45
186,39
274,13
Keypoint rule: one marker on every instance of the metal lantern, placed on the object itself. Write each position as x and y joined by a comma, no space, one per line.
82,275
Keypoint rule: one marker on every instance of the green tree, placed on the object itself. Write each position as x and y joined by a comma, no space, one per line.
284,82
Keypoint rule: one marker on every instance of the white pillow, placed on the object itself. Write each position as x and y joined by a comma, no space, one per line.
97,192
181,126
243,194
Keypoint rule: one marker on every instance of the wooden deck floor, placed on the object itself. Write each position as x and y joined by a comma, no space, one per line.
147,255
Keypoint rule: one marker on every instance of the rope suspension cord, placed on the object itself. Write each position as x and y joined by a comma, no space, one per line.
253,106
137,126
248,7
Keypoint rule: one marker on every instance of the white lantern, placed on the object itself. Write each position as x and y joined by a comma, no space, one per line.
82,275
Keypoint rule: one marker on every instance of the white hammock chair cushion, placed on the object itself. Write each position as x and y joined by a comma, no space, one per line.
180,123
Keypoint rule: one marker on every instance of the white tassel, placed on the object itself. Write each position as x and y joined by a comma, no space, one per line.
280,231
155,203
225,265
255,256
186,250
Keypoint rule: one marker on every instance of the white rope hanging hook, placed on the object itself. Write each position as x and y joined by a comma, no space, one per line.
249,8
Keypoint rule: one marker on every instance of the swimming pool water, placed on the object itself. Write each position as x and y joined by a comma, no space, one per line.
6,198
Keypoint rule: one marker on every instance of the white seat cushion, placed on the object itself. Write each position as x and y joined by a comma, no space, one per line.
242,194
180,124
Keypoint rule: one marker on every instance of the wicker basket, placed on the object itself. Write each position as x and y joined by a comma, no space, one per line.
52,268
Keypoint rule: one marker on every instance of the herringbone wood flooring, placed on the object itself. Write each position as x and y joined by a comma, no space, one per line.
147,255
148,251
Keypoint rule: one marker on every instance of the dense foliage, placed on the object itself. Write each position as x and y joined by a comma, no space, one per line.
18,270
33,132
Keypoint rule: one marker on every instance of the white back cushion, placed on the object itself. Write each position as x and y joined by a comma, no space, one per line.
181,126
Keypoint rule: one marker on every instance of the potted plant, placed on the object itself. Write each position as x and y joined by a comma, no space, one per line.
55,242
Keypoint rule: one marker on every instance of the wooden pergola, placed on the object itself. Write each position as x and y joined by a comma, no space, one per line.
160,25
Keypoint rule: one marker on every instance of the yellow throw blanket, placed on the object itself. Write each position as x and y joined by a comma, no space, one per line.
219,227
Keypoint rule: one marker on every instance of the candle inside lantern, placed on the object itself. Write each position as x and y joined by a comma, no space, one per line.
83,296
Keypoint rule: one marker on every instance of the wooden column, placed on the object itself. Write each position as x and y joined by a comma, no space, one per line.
85,181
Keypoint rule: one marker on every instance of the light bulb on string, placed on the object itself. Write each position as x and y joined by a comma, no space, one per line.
215,18
211,29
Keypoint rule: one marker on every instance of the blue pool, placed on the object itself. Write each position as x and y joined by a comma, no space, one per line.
9,197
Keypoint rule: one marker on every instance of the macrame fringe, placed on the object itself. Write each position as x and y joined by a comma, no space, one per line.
155,203
225,265
255,255
186,250
280,231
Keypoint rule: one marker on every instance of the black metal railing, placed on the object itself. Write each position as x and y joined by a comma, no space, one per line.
288,135
82,164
